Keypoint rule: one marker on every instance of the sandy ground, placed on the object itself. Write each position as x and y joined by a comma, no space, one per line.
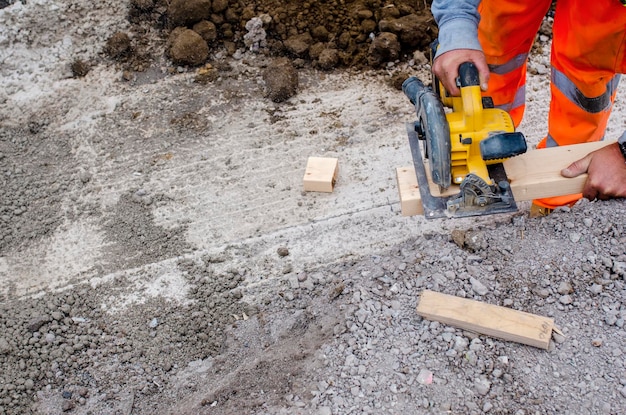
158,253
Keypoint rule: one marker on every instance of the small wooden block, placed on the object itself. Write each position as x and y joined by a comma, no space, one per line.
321,174
410,198
492,320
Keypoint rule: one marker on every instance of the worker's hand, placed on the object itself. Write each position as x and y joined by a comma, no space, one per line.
607,173
446,68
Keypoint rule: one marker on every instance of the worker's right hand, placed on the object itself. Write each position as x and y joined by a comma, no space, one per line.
606,171
446,68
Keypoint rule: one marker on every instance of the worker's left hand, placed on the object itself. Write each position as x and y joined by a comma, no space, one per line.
607,173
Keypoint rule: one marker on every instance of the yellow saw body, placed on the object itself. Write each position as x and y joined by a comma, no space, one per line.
469,124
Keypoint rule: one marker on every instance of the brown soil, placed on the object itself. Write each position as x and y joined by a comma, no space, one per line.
299,30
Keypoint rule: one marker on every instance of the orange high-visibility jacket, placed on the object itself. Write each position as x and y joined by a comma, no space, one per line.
587,56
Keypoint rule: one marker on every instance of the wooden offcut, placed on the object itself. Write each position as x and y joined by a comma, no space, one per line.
533,175
491,320
321,174
410,199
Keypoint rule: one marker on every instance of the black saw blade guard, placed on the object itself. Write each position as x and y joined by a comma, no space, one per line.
432,127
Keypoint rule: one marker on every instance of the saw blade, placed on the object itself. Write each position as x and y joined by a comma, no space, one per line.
433,128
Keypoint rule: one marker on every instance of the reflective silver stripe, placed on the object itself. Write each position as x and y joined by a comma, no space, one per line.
513,64
503,107
518,100
520,97
591,105
551,142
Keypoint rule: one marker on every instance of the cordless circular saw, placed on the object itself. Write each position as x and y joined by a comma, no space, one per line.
464,145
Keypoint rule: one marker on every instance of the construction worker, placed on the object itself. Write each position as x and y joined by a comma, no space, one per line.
588,54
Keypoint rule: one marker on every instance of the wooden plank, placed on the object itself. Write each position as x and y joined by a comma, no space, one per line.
321,174
537,173
533,175
492,320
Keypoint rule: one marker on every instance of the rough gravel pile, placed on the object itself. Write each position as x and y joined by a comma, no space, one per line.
570,266
76,347
344,338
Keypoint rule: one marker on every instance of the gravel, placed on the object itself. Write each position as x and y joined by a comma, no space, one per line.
350,340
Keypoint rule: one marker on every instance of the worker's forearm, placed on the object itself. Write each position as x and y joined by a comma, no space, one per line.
458,24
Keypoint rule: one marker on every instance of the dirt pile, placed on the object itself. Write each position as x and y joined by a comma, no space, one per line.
327,34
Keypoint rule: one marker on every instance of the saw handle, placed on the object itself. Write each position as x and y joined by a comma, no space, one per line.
468,75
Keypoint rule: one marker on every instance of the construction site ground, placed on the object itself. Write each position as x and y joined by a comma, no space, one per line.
158,254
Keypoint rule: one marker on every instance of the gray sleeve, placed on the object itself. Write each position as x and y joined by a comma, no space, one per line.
622,144
458,24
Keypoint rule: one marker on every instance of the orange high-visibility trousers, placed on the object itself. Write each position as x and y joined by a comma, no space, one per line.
587,56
